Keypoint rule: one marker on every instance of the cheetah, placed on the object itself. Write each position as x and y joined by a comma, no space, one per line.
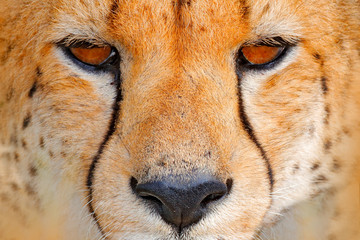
179,120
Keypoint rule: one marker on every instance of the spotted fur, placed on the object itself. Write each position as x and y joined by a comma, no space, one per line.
179,104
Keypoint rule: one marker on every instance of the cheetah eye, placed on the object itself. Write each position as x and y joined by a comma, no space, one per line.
93,56
260,55
264,53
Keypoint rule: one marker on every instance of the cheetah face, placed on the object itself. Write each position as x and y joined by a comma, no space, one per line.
178,119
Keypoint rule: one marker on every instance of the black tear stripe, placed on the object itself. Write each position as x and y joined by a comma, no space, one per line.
249,129
110,132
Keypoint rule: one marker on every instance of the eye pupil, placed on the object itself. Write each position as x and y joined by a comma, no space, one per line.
93,56
258,55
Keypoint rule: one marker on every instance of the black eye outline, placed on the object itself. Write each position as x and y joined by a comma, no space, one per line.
110,64
285,45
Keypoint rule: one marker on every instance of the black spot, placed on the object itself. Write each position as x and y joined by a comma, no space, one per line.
23,143
51,154
26,121
38,72
316,56
207,154
320,179
315,166
245,11
324,85
16,157
296,168
327,145
14,186
32,171
311,129
63,154
346,131
35,86
41,142
161,164
336,166
32,90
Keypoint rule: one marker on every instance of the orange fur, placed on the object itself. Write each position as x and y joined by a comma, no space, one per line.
182,114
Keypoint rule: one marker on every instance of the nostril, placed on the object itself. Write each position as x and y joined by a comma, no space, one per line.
212,198
150,198
143,193
223,190
154,193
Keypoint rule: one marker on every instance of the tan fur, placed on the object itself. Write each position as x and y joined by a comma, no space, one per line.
180,115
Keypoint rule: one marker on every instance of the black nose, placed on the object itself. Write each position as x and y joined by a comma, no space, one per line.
182,204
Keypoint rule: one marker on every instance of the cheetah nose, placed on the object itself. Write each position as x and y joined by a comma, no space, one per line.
182,204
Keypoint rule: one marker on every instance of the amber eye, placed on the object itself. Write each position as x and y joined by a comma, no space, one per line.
93,56
259,55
